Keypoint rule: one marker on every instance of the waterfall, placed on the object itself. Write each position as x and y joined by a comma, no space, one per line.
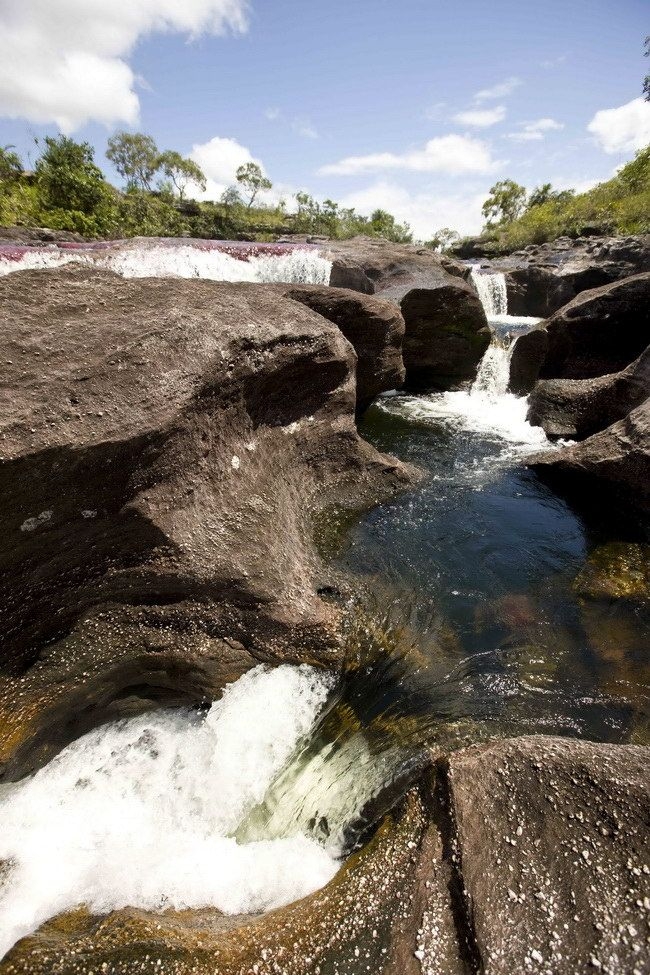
494,369
492,291
213,260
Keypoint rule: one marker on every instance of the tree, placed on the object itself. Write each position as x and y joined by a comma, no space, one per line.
505,202
253,180
68,178
11,167
135,157
546,194
231,197
646,80
443,239
181,172
384,224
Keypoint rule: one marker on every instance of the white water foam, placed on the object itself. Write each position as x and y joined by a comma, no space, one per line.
144,812
492,291
299,266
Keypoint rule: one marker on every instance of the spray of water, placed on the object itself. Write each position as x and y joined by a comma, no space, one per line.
145,812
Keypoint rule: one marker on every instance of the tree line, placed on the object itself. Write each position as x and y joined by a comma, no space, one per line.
68,191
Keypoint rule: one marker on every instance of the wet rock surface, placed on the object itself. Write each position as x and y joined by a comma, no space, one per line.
523,855
577,408
446,335
526,360
373,326
164,447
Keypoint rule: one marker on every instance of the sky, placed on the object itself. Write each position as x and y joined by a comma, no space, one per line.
415,106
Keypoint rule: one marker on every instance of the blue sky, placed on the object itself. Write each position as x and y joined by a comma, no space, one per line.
416,106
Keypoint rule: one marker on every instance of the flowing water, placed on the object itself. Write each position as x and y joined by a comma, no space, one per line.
472,622
213,260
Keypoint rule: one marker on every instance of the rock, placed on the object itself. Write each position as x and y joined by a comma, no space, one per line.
554,852
616,571
373,265
526,360
600,331
617,460
542,278
446,335
577,408
374,327
164,447
38,235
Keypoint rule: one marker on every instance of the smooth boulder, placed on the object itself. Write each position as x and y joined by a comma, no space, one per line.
446,335
526,360
600,331
577,408
373,326
165,447
615,460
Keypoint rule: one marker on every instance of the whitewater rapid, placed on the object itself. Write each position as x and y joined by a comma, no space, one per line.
145,812
292,265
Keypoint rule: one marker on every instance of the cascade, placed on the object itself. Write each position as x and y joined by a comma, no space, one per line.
492,291
214,260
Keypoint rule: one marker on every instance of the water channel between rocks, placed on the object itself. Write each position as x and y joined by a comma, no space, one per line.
478,586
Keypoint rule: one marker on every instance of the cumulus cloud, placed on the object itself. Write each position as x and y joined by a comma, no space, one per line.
622,129
447,154
534,131
498,91
220,159
481,118
66,61
425,212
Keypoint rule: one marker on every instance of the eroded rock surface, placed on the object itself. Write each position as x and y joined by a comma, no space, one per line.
555,854
164,447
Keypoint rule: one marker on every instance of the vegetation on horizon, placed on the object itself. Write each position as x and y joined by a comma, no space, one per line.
620,205
67,191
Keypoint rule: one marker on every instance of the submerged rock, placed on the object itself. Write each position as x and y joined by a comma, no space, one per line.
618,570
577,408
164,446
374,327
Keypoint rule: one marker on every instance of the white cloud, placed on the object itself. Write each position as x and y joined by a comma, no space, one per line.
305,129
435,112
272,114
65,61
622,129
446,154
482,118
498,91
425,212
534,131
220,159
302,126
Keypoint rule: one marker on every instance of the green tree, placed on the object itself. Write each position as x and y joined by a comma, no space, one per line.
635,175
443,239
68,178
181,172
505,203
383,224
646,80
253,180
135,157
546,194
11,168
231,197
